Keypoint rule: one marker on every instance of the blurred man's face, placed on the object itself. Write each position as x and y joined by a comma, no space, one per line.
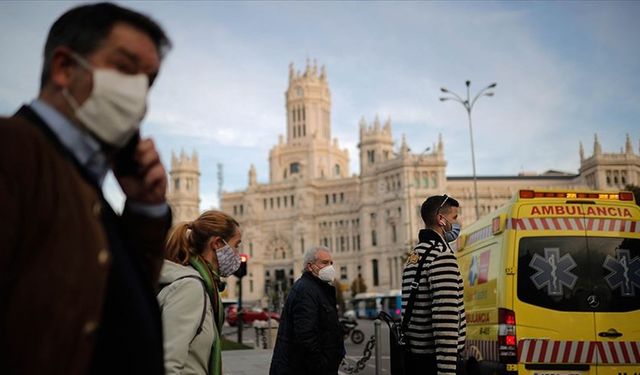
126,50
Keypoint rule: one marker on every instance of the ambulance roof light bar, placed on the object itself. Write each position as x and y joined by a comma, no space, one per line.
622,196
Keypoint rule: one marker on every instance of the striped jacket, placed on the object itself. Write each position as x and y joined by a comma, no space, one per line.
438,324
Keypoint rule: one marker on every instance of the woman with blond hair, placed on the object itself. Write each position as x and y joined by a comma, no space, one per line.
197,254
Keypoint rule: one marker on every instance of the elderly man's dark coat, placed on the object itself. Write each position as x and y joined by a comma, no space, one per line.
310,339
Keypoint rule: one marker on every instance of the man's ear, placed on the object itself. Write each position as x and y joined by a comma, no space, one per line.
61,67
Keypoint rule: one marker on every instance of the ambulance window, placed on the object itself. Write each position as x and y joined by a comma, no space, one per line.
553,272
615,266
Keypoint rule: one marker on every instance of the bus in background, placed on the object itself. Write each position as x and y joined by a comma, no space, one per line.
367,305
391,302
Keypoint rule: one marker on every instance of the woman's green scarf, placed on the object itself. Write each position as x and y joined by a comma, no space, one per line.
211,280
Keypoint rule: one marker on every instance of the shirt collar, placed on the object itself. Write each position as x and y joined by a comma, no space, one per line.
82,145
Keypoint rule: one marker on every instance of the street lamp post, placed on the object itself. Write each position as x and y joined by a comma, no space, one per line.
468,105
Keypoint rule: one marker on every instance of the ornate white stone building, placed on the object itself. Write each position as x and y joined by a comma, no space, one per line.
372,219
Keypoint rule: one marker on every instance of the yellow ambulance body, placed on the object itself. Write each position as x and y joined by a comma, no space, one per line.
552,285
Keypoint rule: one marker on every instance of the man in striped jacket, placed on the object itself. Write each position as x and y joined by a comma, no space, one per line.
436,329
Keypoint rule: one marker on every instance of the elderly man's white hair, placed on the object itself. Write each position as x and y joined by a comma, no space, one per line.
310,255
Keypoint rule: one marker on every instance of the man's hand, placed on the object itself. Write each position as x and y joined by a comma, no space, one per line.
149,185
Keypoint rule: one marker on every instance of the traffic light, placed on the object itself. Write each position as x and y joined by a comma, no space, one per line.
242,271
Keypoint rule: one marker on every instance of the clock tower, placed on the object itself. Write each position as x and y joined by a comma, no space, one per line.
308,152
308,103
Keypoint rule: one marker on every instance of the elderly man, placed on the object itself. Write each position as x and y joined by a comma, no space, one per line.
77,280
310,339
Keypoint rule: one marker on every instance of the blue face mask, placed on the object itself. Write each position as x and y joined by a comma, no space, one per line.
452,235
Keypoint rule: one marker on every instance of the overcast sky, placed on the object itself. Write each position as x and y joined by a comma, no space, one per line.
565,70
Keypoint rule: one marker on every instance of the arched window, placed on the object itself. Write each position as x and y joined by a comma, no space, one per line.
374,271
294,168
337,169
425,180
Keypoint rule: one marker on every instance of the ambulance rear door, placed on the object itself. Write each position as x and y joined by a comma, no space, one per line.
613,240
554,321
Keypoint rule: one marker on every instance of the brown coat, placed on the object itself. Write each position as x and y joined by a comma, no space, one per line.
54,255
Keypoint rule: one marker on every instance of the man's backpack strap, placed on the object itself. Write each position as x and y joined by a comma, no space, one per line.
204,308
413,289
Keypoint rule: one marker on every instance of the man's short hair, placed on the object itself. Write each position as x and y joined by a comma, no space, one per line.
434,205
84,28
310,256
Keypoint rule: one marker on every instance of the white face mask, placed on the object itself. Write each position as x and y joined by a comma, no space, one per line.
327,273
228,260
114,109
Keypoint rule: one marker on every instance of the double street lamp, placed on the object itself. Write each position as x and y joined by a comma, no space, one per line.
468,105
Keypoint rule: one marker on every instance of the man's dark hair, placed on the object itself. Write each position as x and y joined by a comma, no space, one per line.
84,28
434,205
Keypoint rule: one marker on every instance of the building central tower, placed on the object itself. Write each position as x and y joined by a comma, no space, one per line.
309,152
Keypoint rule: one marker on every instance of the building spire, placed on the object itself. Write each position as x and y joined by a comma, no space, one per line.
252,175
581,152
597,150
376,124
628,146
404,148
307,69
363,127
440,144
387,126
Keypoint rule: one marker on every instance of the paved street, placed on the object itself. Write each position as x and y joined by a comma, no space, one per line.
256,361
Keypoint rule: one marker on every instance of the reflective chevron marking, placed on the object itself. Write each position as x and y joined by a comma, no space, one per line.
588,352
573,223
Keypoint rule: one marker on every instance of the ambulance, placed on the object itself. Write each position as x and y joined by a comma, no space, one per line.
552,285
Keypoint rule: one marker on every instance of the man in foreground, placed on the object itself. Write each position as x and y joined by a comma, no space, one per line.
77,280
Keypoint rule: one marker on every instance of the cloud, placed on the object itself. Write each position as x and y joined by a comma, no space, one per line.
564,72
209,201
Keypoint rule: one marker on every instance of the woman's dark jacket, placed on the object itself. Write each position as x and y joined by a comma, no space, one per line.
309,340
